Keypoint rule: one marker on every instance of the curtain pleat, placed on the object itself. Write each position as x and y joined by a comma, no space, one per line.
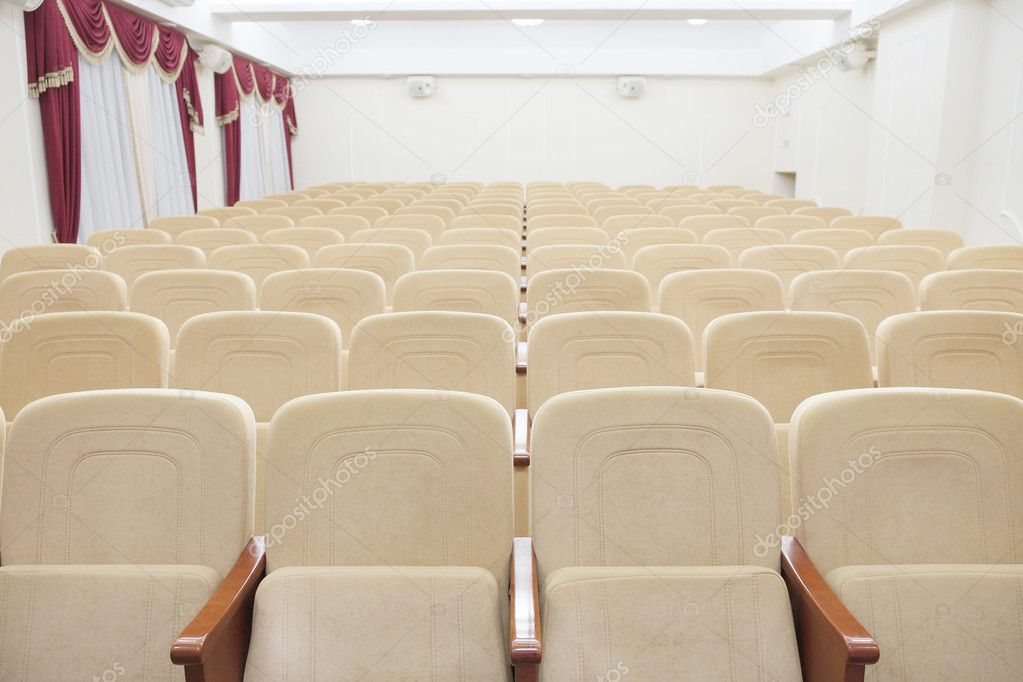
253,184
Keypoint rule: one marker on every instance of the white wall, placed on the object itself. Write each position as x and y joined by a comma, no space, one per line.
681,130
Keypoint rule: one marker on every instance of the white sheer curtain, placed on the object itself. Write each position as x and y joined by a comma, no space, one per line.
276,151
110,180
264,154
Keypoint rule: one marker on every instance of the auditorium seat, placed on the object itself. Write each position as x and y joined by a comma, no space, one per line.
175,225
445,213
987,257
295,212
431,224
123,511
617,223
437,350
324,205
108,240
826,213
681,212
343,295
738,239
698,297
24,295
754,213
635,239
869,296
875,225
474,257
575,256
559,220
656,262
915,262
469,291
790,224
479,236
258,260
226,212
210,239
554,236
1000,290
975,349
131,261
415,240
788,260
704,224
309,239
838,240
661,599
174,296
260,224
347,225
260,205
370,213
378,201
945,241
727,205
510,220
791,205
288,198
919,543
48,257
569,290
387,261
81,351
266,358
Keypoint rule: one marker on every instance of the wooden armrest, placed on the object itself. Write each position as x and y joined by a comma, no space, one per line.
523,283
524,612
213,647
522,357
832,643
523,312
521,430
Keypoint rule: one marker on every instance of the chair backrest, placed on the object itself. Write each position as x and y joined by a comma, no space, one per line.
975,349
260,224
657,262
26,294
295,212
875,225
446,213
388,261
467,291
791,224
48,257
559,220
225,212
738,239
999,290
782,358
945,241
324,205
210,239
347,225
617,223
569,291
370,213
431,224
580,351
415,240
915,262
131,261
791,204
826,213
509,220
261,204
437,350
575,256
554,236
266,358
698,297
666,452
474,257
934,477
175,225
789,260
755,213
174,296
434,464
680,212
309,239
162,480
108,240
641,237
480,235
838,240
987,257
81,351
259,260
704,224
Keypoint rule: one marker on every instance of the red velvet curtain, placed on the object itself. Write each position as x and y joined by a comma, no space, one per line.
228,111
190,107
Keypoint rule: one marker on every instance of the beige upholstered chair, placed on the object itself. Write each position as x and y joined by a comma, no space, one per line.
480,235
370,213
210,239
431,224
559,220
259,224
555,236
309,239
788,260
568,290
174,296
999,290
259,205
469,291
827,213
945,241
617,223
258,260
81,351
680,212
704,224
915,262
324,205
754,213
123,511
738,239
918,541
295,212
446,213
838,240
129,262
438,350
48,257
415,240
641,237
175,225
24,295
474,257
656,262
347,225
580,256
613,583
875,225
511,220
791,224
226,212
108,240
791,204
986,257
288,198
388,261
975,349
343,295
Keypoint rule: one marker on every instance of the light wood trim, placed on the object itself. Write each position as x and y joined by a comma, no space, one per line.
526,645
521,430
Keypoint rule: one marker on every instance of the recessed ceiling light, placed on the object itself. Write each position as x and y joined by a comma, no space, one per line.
527,23
697,22
362,22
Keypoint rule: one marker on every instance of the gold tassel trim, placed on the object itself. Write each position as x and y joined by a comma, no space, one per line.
193,116
229,118
51,81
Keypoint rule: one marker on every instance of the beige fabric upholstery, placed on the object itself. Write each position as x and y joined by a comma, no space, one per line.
782,358
48,257
755,213
438,350
657,623
378,624
108,240
657,262
261,204
827,213
445,213
344,295
81,351
1000,290
175,225
791,204
789,260
323,205
698,297
211,239
681,212
416,241
990,257
309,239
634,240
615,224
387,261
554,236
915,262
702,224
738,239
174,296
952,349
259,260
265,358
838,240
26,294
83,502
875,225
227,212
473,218
945,241
538,219
370,213
578,351
869,296
347,225
296,213
467,291
474,257
604,462
569,291
129,262
575,256
791,224
260,224
431,224
481,235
